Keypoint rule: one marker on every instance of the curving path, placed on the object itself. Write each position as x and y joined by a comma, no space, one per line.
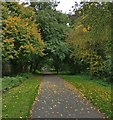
57,100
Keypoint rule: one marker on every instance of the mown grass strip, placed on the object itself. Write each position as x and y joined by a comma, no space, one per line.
18,101
98,92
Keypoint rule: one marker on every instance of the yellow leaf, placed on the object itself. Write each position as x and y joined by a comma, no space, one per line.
84,30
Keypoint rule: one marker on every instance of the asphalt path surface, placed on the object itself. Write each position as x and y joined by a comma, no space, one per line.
56,99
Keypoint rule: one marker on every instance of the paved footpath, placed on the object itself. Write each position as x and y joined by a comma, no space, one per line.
57,100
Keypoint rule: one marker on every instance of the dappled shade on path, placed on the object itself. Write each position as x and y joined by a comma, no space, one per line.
56,100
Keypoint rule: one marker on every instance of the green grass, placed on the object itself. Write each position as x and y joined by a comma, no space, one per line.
97,91
10,82
18,101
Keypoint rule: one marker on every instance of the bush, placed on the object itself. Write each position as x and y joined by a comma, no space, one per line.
10,82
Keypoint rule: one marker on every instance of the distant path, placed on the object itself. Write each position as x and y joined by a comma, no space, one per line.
56,100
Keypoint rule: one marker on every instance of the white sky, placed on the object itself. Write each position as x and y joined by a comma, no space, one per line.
66,5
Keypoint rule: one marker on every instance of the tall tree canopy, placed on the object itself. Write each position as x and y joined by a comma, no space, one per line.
21,38
91,37
54,29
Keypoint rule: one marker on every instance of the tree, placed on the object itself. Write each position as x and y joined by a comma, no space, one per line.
54,29
44,5
90,38
21,39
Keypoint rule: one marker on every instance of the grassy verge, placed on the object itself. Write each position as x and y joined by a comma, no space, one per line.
97,91
10,82
17,102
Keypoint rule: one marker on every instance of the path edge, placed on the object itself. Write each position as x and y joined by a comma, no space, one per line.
37,97
81,96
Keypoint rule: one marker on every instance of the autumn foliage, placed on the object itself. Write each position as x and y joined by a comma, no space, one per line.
21,38
91,38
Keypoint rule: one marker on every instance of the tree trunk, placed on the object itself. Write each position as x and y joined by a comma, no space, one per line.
57,71
35,67
31,67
